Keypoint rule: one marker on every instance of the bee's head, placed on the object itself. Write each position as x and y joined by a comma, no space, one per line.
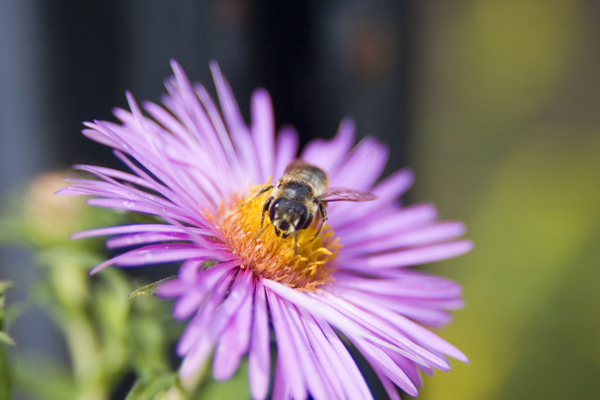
287,216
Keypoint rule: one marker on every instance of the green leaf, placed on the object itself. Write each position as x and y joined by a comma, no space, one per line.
235,388
149,290
151,385
4,337
5,285
5,376
43,378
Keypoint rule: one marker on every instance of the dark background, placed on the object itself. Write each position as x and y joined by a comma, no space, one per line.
65,62
319,60
494,103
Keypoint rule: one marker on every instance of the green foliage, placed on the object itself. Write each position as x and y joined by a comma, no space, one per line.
5,373
235,388
4,337
507,139
108,333
45,378
5,376
153,385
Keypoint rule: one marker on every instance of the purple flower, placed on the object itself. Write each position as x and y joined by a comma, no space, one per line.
195,166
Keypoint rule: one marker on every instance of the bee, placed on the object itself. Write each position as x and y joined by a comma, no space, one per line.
298,196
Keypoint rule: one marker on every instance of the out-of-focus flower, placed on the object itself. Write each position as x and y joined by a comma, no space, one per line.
46,218
196,167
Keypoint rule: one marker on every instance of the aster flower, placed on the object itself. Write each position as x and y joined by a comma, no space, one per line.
199,169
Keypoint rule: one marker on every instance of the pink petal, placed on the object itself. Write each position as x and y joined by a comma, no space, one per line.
263,132
259,359
287,148
429,234
233,343
405,258
328,154
144,238
287,355
157,254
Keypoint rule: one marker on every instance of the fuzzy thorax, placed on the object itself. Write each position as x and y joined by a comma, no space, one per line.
272,257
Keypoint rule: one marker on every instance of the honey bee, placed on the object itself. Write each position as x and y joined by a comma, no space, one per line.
297,197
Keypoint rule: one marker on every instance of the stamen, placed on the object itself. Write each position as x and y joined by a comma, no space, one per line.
297,261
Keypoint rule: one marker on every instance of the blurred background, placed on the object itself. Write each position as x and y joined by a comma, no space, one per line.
493,103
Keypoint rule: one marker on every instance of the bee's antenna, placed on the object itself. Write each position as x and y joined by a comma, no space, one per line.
262,231
295,242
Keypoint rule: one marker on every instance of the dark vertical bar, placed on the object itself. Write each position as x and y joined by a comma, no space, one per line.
83,49
362,54
284,48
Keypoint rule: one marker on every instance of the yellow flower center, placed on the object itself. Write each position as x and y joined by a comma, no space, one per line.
273,257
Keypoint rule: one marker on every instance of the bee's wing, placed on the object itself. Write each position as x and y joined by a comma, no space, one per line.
343,194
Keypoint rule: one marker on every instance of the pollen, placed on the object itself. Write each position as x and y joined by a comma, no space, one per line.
272,257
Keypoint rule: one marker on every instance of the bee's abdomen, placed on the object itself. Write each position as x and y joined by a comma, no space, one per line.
314,176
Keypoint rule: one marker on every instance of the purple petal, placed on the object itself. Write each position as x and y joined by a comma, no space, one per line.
224,137
233,344
313,303
386,223
237,128
414,331
315,307
189,271
136,206
123,229
385,330
405,258
144,238
172,288
259,359
328,154
406,287
388,192
379,359
281,388
263,131
354,382
408,366
388,385
99,171
157,254
188,304
416,237
287,148
287,355
313,376
361,168
221,318
198,325
330,366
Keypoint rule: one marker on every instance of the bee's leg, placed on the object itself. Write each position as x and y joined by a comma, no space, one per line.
295,243
255,195
263,190
261,232
323,219
265,209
